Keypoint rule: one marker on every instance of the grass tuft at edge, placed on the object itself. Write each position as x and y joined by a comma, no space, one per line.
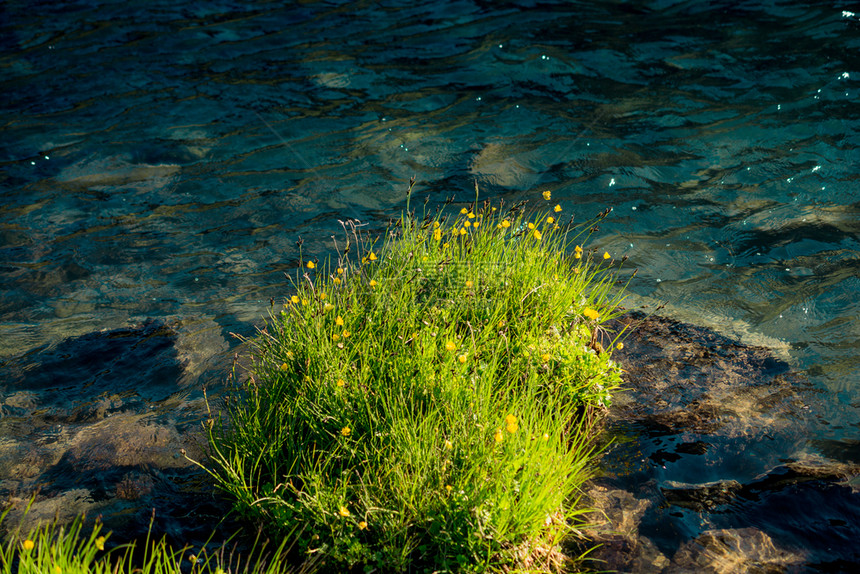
427,400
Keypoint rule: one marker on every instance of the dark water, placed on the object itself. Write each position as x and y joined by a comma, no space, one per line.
160,159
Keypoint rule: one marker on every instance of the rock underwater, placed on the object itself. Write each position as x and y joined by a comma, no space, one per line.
95,424
699,405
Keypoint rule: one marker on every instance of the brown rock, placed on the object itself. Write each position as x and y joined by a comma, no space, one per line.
733,551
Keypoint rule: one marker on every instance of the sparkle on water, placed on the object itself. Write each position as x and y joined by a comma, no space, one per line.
161,159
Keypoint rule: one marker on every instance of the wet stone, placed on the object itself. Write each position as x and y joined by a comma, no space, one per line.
701,497
98,424
615,527
697,403
733,551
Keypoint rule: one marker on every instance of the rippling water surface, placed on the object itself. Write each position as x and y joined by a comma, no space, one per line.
159,160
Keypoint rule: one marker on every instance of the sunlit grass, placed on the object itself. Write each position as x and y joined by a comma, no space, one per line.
72,548
425,401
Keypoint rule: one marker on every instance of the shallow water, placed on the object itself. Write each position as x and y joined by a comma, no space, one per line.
160,160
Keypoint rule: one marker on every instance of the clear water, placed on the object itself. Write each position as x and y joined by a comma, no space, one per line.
159,160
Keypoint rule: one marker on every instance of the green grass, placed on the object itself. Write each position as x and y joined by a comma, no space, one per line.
73,549
425,401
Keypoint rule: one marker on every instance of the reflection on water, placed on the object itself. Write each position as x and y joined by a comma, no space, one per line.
160,160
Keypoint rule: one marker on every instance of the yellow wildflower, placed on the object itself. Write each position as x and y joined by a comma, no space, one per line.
510,419
545,436
449,488
284,367
100,542
57,569
537,234
467,224
328,307
606,255
336,281
295,299
576,270
464,211
335,337
373,283
311,265
512,427
340,270
28,545
531,225
304,301
343,512
445,245
338,321
469,284
463,230
345,432
545,357
619,346
372,256
591,313
448,444
462,358
498,437
557,208
346,334
550,219
506,224
437,234
450,345
470,215
435,225
362,525
547,195
341,383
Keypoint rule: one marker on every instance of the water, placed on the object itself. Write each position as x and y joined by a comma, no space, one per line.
160,160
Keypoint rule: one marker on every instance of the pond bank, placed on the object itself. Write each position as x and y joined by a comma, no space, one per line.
692,397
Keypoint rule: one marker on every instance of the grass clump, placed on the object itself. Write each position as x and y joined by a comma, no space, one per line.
427,404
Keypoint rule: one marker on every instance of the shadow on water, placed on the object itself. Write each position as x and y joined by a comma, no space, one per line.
96,424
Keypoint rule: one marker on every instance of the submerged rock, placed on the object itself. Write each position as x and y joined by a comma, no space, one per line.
615,526
733,551
97,424
708,442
